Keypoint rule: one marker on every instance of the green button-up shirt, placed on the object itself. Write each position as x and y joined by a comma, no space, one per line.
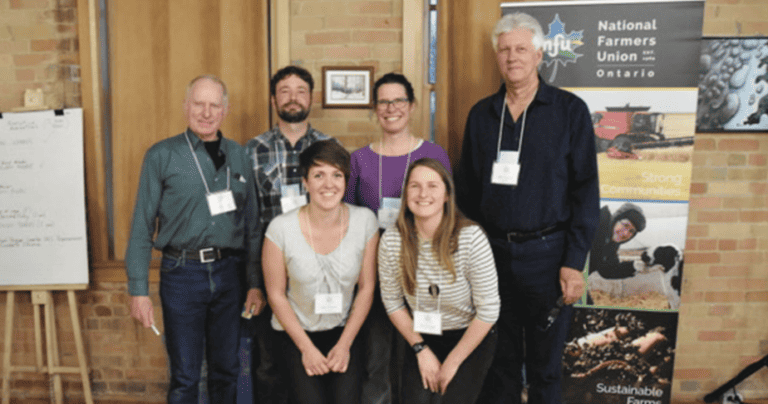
172,194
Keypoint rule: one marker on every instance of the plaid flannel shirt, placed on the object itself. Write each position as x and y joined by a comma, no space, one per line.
276,164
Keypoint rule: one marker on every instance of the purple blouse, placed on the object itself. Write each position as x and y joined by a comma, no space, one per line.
363,187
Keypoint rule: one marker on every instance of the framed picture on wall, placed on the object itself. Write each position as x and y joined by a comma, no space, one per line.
733,85
347,87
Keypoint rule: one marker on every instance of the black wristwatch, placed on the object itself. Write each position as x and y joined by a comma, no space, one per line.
418,347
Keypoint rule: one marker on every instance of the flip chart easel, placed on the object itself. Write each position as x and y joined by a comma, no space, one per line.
43,242
51,364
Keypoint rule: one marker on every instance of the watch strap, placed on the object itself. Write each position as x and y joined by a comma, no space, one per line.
419,346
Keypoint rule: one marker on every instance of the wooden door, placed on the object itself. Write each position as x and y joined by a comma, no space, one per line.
155,48
467,70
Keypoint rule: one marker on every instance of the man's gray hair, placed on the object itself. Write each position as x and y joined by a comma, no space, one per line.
514,21
213,78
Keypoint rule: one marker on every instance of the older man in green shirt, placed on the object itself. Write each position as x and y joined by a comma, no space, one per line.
197,188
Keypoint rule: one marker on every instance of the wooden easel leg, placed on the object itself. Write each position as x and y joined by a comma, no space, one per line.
38,338
9,303
79,345
52,347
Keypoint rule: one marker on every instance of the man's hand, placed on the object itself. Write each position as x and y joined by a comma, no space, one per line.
255,301
143,310
572,284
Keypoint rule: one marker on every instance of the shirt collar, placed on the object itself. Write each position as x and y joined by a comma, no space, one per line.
196,141
544,95
309,134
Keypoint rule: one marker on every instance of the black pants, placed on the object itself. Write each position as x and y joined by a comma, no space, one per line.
341,388
466,384
268,386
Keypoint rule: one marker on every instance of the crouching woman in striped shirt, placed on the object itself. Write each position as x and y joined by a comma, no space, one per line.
440,290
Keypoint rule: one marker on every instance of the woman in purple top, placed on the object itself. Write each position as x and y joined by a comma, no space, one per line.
377,172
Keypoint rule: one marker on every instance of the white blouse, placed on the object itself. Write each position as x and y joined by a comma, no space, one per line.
309,273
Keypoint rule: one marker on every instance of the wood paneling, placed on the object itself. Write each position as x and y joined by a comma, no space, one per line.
155,49
466,65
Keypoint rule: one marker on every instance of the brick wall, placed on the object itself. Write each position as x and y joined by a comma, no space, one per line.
38,49
346,33
125,360
725,296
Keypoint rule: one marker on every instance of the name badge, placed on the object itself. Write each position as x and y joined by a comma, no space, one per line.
505,173
427,323
388,211
328,303
292,198
221,202
508,156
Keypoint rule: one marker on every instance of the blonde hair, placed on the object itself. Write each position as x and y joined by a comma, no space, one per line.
445,241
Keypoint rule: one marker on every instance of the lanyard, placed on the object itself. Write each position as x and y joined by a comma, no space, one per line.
522,129
439,283
407,163
282,168
200,169
340,247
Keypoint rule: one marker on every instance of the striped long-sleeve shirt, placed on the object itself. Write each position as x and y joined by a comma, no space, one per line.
474,293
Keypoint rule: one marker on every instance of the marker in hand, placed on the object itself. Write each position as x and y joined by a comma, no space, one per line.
157,332
248,313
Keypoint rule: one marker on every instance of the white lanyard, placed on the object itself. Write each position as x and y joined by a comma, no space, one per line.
501,126
200,169
429,322
282,168
439,282
407,163
331,302
282,173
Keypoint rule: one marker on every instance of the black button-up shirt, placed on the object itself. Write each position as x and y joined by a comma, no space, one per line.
558,184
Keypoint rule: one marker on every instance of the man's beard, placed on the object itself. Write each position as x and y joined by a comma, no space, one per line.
293,116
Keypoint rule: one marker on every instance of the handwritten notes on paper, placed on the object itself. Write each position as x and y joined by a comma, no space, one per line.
42,199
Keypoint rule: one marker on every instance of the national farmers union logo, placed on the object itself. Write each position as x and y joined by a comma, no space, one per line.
559,47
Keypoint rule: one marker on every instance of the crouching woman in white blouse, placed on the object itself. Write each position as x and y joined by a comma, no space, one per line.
440,289
313,258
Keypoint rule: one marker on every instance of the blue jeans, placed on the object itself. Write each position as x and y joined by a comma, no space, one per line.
201,312
529,286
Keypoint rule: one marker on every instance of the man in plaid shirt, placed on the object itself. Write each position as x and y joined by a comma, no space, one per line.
275,161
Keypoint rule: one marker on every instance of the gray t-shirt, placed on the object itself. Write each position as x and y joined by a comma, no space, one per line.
309,273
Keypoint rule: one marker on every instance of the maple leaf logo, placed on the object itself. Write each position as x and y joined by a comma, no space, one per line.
559,47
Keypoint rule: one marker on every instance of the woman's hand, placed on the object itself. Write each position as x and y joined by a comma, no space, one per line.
429,367
338,358
447,372
315,364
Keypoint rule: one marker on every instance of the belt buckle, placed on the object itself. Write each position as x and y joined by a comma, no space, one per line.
205,251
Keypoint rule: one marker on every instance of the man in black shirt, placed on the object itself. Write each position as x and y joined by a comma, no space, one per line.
528,175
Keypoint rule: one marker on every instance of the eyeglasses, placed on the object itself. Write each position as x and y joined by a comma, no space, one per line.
398,103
